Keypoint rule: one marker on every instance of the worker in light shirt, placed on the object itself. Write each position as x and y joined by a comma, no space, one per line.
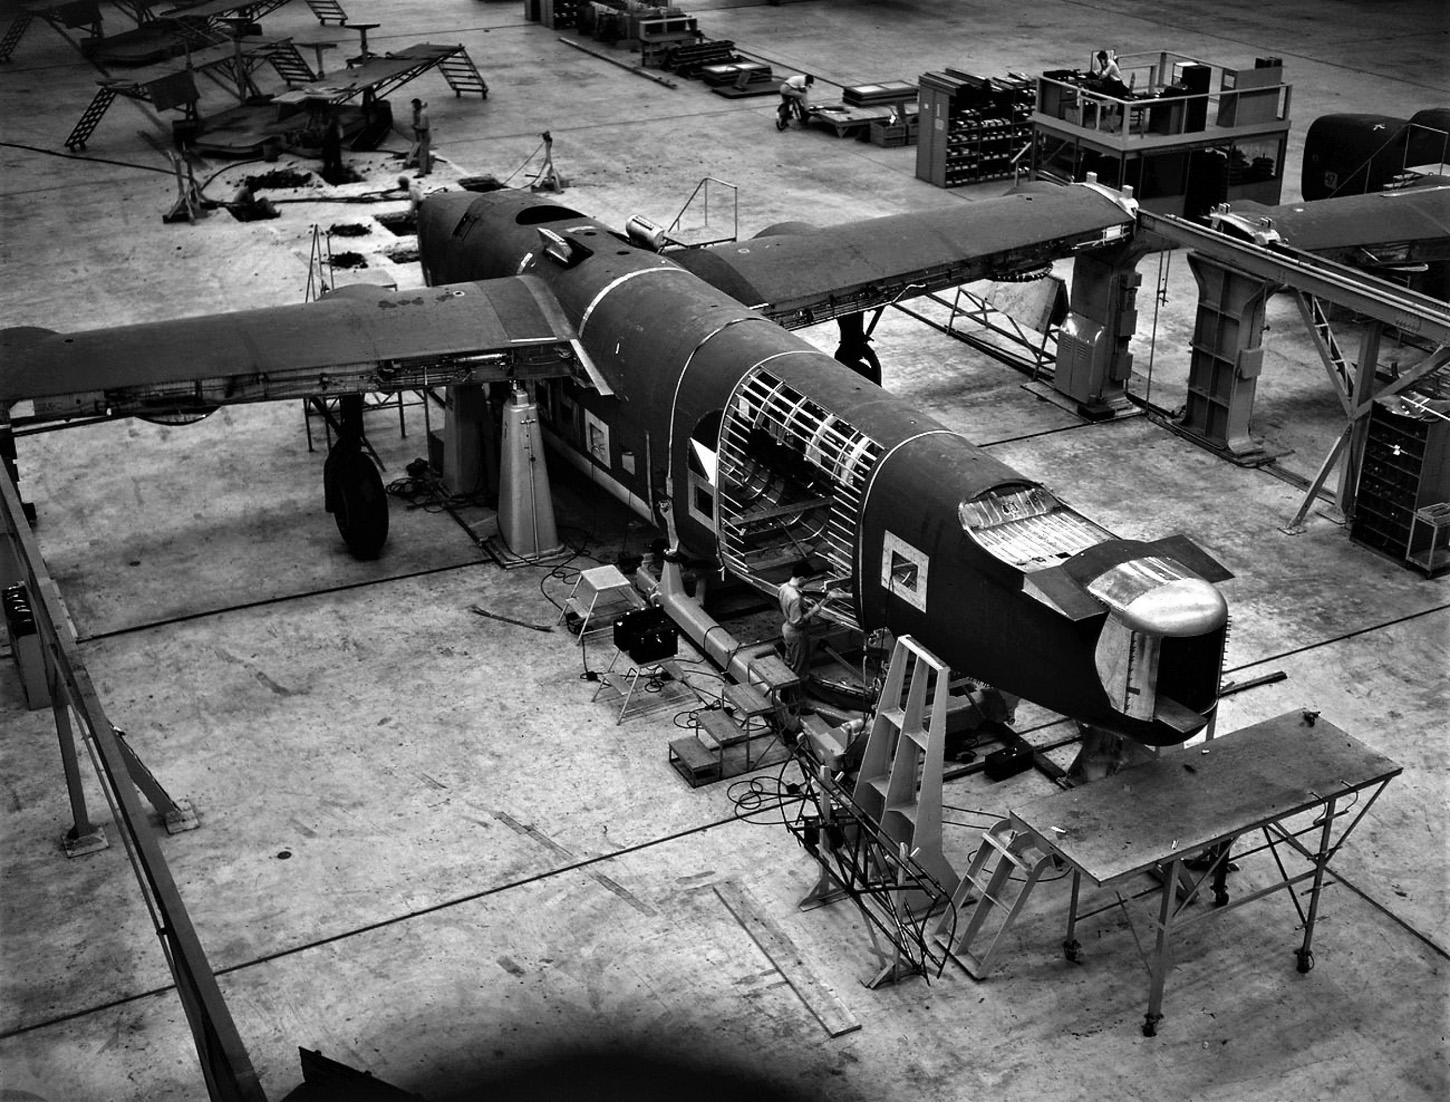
794,93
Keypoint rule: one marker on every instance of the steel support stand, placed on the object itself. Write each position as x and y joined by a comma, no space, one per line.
1071,947
1296,526
84,836
1160,963
1093,359
897,970
1226,359
1369,354
179,815
825,890
1305,953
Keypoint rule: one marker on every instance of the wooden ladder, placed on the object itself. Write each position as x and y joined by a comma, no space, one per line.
991,895
899,786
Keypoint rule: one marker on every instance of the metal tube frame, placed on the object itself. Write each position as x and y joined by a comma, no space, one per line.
1157,958
224,1061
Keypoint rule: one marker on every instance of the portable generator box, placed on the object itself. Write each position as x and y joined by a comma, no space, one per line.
646,635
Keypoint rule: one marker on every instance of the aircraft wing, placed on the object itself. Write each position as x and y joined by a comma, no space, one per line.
1380,229
802,276
359,339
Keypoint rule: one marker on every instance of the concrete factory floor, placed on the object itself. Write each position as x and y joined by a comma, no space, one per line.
439,778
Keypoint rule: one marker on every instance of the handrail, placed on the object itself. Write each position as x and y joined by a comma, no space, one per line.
1016,160
1376,298
225,1064
1221,110
704,186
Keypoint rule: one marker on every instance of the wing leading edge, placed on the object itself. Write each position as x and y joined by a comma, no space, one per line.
359,339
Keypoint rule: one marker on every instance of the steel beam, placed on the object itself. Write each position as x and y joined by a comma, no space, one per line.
1407,310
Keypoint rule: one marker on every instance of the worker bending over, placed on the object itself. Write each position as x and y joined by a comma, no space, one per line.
794,94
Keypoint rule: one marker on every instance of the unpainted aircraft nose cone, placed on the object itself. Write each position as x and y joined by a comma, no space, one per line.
1188,606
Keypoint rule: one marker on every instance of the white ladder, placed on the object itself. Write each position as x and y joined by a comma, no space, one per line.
999,895
899,785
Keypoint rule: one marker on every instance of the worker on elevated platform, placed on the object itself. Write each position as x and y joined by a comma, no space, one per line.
1108,76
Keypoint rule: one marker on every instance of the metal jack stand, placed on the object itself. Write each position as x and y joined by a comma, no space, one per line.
897,967
548,178
189,205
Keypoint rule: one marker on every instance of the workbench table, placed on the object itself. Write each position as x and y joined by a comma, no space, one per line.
1194,803
845,119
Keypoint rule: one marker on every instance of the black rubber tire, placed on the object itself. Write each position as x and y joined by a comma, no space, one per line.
358,502
862,360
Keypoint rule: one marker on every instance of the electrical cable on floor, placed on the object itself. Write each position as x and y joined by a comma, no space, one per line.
525,164
757,795
395,920
246,606
689,716
1045,432
1340,638
711,672
80,157
988,816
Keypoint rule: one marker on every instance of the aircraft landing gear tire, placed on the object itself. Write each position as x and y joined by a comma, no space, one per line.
861,358
357,500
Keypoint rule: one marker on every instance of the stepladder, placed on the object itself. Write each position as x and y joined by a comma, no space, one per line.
899,785
600,594
994,891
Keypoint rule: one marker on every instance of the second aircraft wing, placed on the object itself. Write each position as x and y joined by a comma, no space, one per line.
357,339
802,276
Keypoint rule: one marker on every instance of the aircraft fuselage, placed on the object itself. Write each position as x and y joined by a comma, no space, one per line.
767,450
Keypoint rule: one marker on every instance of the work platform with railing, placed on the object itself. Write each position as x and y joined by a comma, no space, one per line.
1185,134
